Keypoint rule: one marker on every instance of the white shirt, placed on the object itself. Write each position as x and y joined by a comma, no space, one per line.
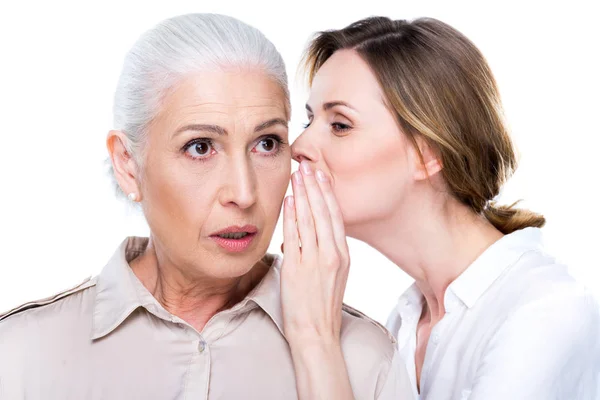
517,326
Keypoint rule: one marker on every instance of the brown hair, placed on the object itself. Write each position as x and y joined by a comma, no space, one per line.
440,87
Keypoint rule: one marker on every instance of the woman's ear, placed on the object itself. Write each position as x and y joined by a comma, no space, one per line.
124,166
426,161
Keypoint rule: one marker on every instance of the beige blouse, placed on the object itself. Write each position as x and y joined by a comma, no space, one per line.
109,338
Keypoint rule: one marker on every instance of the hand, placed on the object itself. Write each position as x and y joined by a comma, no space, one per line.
313,281
316,261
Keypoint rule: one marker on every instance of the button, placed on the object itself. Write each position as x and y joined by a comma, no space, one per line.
201,346
436,338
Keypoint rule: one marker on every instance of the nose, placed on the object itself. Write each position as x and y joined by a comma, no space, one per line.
239,185
304,148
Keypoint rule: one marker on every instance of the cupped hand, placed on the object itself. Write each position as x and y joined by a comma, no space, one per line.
316,261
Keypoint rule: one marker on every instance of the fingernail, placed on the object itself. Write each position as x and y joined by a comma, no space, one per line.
321,176
290,201
298,177
306,168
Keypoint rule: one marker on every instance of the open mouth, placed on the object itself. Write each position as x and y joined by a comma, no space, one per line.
236,235
235,239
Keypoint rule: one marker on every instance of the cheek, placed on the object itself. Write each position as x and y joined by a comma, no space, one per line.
178,197
272,182
369,177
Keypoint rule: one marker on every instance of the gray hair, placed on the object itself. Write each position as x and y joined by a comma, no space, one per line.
178,47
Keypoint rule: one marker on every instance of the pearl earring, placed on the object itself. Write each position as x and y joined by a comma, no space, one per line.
132,196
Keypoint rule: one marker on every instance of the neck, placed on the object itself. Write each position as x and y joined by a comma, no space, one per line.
189,294
434,246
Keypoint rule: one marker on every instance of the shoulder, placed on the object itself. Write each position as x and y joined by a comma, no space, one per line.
537,281
371,357
364,334
541,282
567,303
53,308
549,303
549,334
36,331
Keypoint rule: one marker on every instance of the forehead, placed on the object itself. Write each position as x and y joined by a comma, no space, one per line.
227,93
345,76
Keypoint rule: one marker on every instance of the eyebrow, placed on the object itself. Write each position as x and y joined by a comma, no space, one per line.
329,105
270,123
222,131
202,128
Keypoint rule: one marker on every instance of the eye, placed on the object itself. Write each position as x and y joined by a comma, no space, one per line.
199,149
338,127
268,145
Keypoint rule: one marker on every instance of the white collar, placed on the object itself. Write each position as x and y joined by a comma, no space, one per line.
481,274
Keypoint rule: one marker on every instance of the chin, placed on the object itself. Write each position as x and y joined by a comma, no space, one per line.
226,269
234,265
356,221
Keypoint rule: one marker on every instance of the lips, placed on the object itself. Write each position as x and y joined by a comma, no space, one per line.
235,239
236,229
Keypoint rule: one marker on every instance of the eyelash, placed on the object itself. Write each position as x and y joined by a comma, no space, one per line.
341,128
193,142
337,126
280,144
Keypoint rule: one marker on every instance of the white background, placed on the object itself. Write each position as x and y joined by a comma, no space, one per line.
59,63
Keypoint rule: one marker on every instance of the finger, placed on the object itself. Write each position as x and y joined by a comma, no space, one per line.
335,212
290,232
306,226
320,211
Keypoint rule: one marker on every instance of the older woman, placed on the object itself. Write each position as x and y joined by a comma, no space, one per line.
193,311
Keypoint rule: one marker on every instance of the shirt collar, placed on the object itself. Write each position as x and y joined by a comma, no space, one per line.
491,264
481,274
119,292
267,294
410,303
